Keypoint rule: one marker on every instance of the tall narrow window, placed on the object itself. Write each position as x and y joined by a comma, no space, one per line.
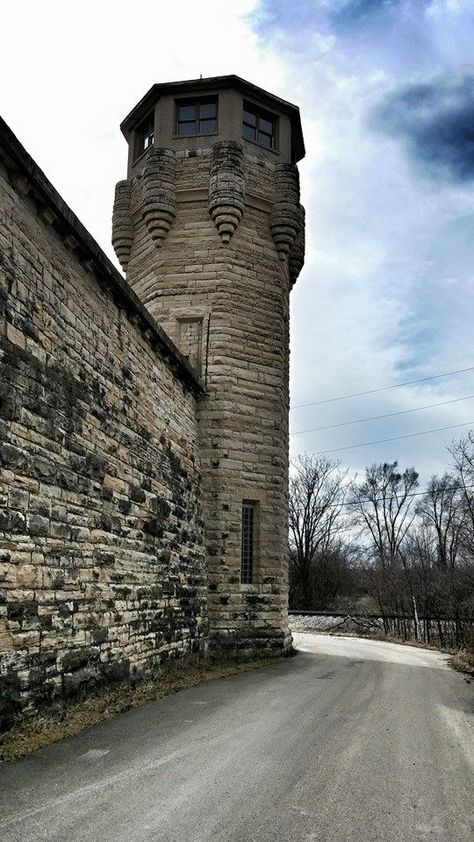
248,542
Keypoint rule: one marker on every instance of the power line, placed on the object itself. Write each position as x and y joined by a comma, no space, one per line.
385,388
389,499
408,497
378,417
394,438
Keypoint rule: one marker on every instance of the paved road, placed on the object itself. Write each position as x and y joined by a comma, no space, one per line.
352,741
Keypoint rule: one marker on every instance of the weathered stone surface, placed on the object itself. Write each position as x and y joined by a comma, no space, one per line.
159,205
226,187
122,482
243,292
98,438
297,252
286,216
122,228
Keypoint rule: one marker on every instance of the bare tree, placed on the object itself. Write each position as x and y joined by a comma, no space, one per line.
383,505
384,512
412,553
445,524
462,452
317,492
441,507
429,580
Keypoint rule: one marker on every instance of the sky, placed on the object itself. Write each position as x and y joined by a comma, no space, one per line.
386,93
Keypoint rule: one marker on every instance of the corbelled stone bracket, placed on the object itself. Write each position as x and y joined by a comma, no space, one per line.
285,220
122,228
226,187
159,193
296,259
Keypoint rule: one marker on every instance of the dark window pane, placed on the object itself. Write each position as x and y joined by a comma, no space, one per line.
265,139
250,118
207,126
196,117
259,125
265,125
246,569
186,112
207,109
187,128
144,135
249,132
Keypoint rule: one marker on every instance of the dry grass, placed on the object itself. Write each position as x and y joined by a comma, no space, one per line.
463,660
29,737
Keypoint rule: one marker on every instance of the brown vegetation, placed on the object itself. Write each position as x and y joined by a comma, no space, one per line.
382,546
27,737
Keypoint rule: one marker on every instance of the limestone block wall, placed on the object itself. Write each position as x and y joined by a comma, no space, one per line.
236,287
102,563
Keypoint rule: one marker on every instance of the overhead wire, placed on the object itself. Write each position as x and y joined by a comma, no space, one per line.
378,417
384,388
394,438
389,499
408,497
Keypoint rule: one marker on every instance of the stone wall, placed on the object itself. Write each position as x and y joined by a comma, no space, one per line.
222,261
125,462
102,568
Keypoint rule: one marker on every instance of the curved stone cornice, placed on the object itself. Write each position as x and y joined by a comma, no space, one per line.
122,227
285,214
297,251
226,187
159,193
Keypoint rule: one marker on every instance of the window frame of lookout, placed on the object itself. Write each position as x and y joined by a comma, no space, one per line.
160,107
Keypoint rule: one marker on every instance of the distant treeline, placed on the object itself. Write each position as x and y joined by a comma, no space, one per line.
384,547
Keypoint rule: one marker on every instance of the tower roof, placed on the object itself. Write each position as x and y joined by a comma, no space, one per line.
213,83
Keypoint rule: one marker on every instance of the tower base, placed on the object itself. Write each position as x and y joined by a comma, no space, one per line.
249,642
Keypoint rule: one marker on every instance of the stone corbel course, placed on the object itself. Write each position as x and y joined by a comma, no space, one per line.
285,220
296,259
226,187
122,228
159,193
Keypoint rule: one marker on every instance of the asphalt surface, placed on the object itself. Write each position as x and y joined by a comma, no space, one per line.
351,741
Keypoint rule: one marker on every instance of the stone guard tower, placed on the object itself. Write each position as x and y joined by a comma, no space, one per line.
210,232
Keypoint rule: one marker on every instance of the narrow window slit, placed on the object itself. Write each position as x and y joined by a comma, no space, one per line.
247,560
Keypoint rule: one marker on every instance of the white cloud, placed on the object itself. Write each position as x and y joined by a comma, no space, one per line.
386,294
75,70
439,8
371,307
